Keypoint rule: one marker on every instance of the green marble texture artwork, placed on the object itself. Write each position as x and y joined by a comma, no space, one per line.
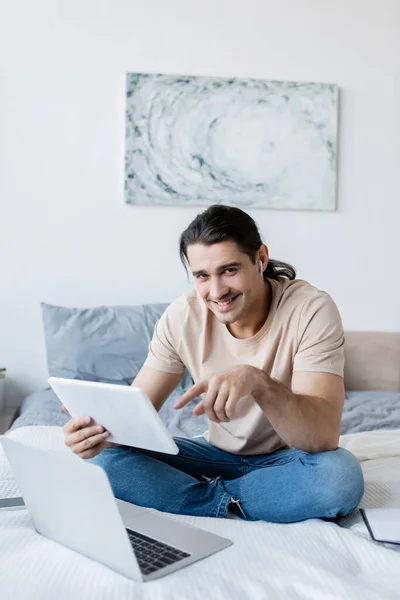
197,141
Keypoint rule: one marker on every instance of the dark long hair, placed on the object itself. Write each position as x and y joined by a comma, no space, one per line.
221,223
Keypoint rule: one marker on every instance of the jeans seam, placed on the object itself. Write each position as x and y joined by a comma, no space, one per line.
225,497
276,464
212,462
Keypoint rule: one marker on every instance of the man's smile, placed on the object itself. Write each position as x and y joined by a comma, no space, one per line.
225,305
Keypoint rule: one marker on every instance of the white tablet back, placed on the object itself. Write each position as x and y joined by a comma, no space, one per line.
125,411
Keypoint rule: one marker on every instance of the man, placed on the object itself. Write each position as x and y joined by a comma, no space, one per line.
266,352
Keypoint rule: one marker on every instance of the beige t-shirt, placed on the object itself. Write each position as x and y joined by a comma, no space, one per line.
303,332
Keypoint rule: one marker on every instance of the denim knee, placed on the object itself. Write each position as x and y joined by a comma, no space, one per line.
341,483
112,460
107,457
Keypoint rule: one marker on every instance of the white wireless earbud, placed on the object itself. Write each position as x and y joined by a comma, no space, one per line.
261,267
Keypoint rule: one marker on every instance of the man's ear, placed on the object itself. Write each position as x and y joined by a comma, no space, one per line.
263,255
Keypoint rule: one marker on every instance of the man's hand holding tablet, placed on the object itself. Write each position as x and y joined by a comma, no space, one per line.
119,414
85,439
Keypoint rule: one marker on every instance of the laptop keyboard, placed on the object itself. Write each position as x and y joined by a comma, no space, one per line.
153,555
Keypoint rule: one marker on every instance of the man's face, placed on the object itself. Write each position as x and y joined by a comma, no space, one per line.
226,279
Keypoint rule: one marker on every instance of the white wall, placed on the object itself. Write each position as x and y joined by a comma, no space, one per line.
65,234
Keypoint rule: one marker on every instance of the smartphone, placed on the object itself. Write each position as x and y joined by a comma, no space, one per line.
12,503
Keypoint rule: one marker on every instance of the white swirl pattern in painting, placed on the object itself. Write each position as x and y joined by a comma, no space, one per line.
203,140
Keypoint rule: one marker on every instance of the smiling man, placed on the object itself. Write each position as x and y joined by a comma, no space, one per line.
266,353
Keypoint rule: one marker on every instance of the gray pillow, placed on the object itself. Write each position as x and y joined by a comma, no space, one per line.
104,343
368,410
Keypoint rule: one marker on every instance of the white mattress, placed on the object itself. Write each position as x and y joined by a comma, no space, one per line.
310,560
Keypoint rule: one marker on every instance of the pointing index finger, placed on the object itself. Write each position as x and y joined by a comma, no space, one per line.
191,393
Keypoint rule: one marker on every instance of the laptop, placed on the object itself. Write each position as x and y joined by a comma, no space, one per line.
125,412
71,502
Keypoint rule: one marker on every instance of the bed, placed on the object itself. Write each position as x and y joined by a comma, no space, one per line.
309,560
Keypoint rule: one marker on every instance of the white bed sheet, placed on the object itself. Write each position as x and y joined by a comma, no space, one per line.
310,560
379,454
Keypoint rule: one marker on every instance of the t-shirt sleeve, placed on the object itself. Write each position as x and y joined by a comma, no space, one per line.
163,349
321,337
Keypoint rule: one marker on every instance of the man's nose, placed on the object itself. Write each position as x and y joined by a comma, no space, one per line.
218,289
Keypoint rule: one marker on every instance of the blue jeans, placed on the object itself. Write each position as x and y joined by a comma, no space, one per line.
202,480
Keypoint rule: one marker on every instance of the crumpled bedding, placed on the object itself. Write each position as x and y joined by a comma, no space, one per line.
367,410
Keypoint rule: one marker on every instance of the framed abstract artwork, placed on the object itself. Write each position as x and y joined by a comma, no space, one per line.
197,141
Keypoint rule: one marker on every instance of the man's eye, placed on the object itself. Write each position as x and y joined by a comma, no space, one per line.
201,276
230,271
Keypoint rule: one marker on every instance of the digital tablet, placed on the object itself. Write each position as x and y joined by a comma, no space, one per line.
383,524
124,411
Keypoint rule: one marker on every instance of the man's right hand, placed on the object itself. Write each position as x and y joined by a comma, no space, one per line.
87,441
84,438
